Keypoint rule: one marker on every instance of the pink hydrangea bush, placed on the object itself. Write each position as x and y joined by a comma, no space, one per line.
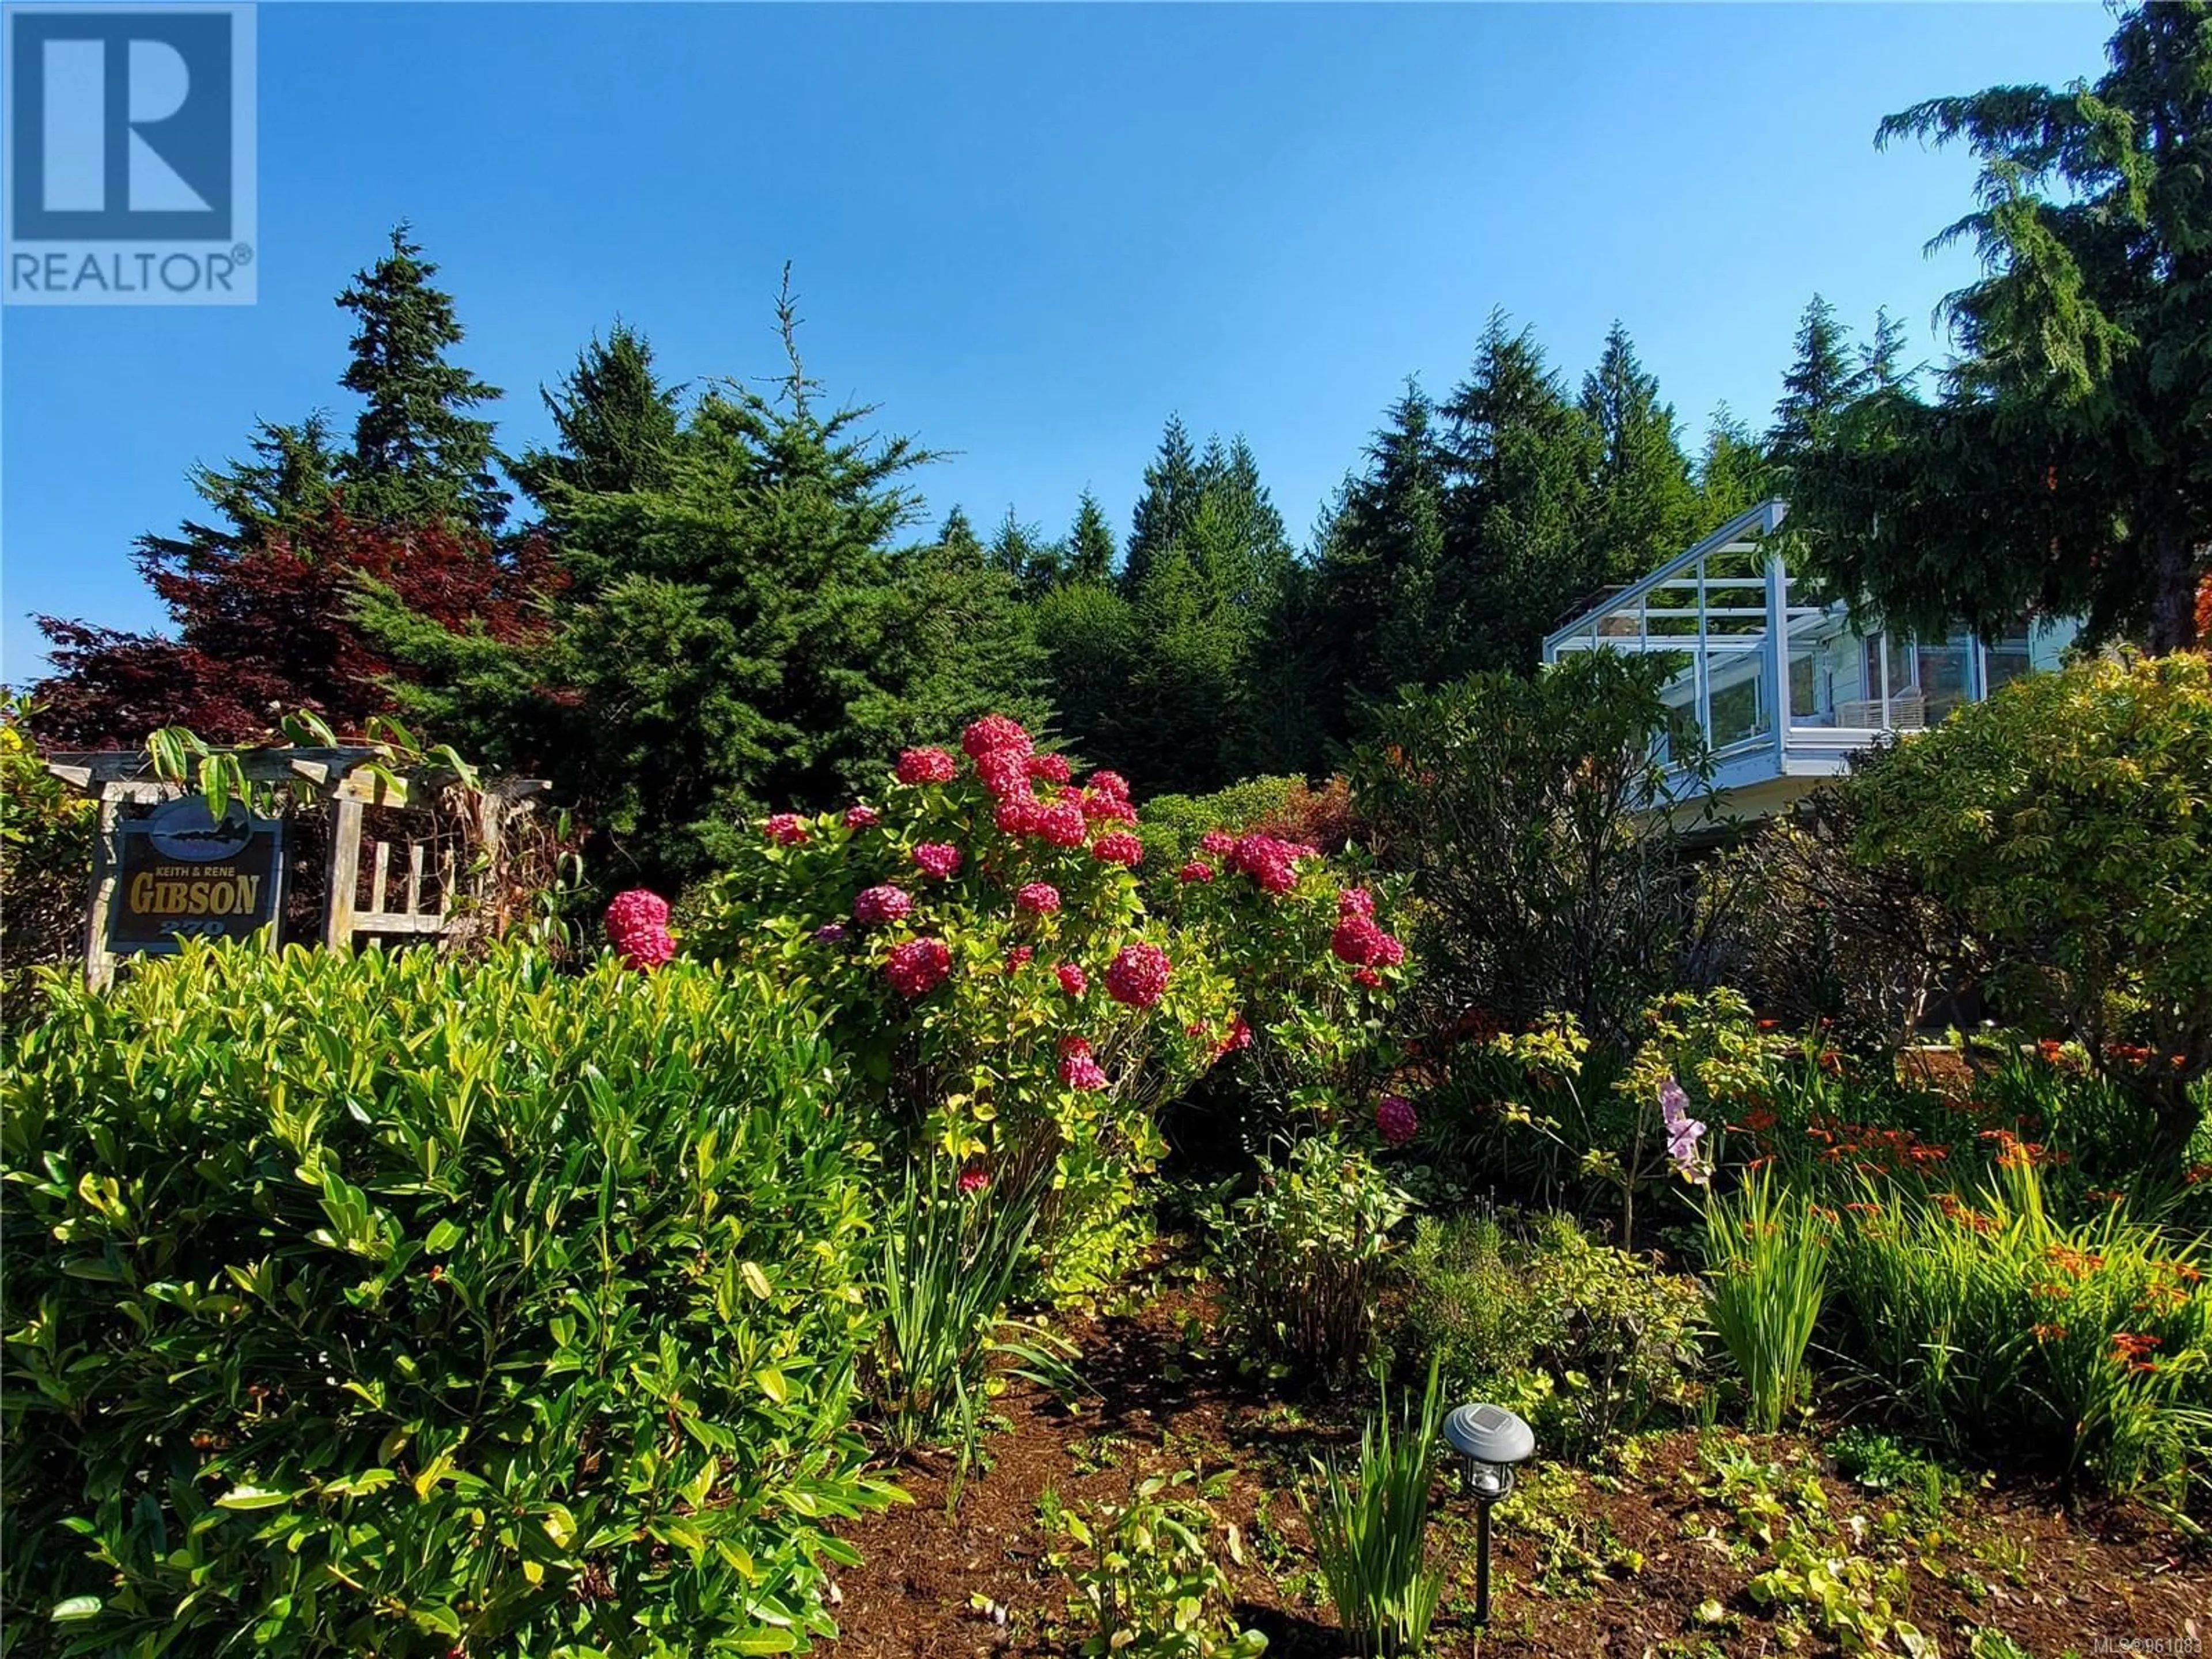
963,997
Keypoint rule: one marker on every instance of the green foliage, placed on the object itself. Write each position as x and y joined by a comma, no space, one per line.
1303,1258
418,455
1766,1253
1370,1526
1521,810
1813,934
1643,508
1996,1324
1141,1576
947,1270
1587,1342
382,1304
616,423
2074,420
46,832
1174,823
2069,821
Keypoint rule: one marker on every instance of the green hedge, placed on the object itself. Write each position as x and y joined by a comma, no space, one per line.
388,1304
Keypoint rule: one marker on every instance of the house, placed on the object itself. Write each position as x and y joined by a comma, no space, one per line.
1773,672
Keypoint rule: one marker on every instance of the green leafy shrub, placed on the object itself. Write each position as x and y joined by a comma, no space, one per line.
1521,809
973,933
1370,1526
386,1304
45,851
1174,823
2068,819
1587,1341
1998,1324
1141,1575
1303,1258
1766,1251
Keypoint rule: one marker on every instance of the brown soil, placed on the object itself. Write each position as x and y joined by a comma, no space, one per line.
1618,1563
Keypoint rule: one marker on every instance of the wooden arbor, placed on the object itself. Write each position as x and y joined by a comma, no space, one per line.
424,882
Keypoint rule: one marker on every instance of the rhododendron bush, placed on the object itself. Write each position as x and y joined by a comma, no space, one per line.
1011,997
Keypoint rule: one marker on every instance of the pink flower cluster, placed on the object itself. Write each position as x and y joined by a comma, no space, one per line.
1196,869
1359,941
917,967
1138,975
973,1181
1020,958
878,905
1077,1070
860,817
1118,847
1072,980
1061,824
1268,860
1053,769
1394,1119
1038,898
637,927
1239,1036
925,766
785,829
995,734
940,858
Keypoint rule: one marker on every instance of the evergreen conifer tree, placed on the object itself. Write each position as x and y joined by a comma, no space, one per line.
417,454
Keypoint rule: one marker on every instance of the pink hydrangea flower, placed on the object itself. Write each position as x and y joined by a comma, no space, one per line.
1061,824
1118,847
785,829
1366,976
1138,975
1269,860
878,905
1356,940
830,933
1016,815
1072,979
1391,951
1196,869
1219,843
1239,1036
1039,898
1110,784
1019,958
973,1181
1005,773
917,967
1355,901
939,859
1053,769
860,817
993,734
1108,809
1077,1070
1394,1119
925,766
637,927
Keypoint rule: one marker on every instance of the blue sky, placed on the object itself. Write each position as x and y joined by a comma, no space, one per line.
1029,233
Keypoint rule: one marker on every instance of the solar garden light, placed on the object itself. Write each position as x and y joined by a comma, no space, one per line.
1490,1442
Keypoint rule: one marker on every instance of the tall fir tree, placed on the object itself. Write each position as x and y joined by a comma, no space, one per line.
2064,466
1021,551
418,455
1821,382
616,425
1164,511
1881,359
1643,507
1091,550
1380,554
1733,473
1518,460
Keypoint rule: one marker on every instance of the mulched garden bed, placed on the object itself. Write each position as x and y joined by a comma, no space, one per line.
1651,1556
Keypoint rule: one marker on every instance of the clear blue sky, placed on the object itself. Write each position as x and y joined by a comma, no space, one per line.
1029,233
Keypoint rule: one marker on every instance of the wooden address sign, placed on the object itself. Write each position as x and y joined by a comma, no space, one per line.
179,874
